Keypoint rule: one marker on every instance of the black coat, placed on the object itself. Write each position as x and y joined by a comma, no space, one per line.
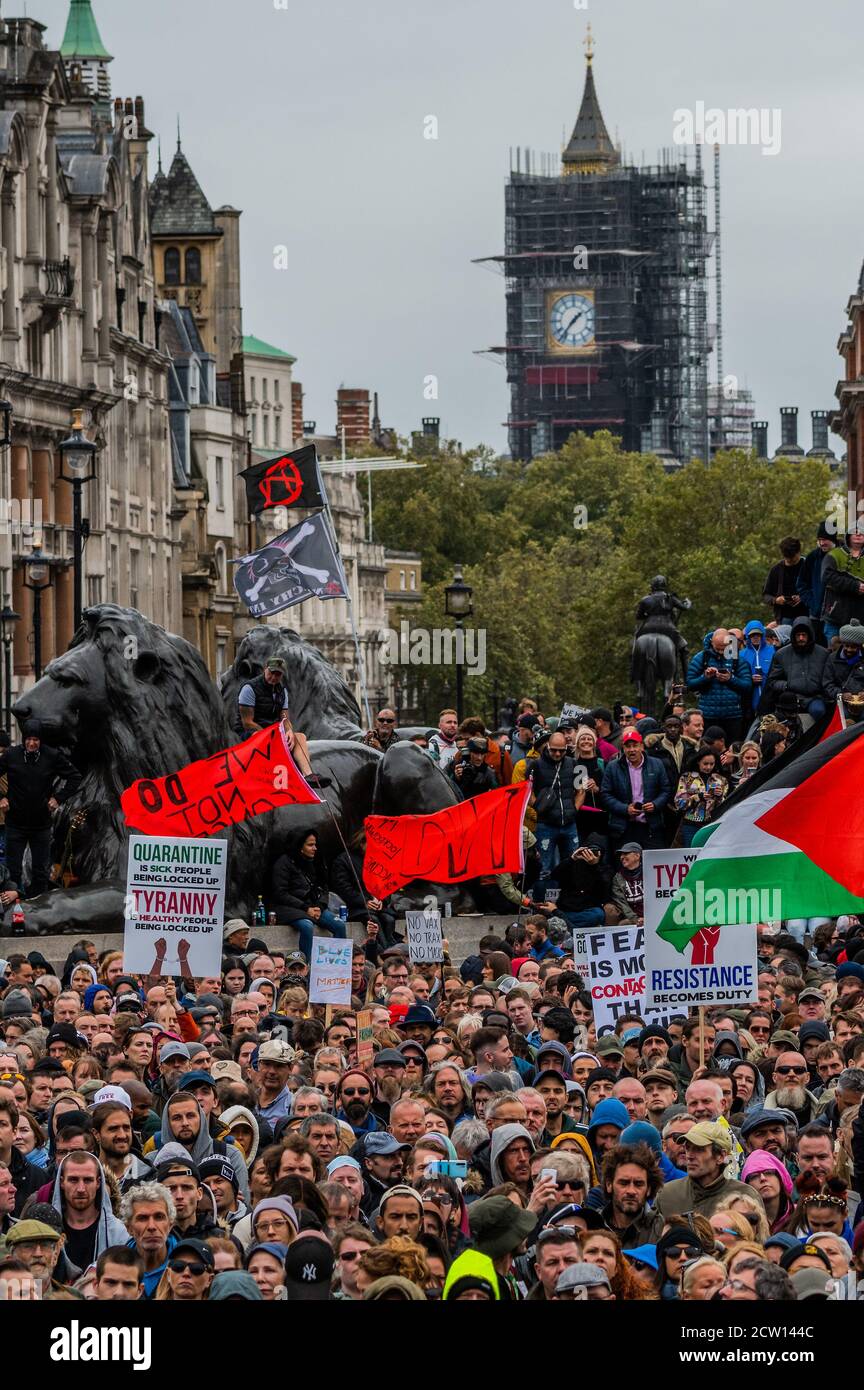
474,780
298,884
33,780
347,869
582,885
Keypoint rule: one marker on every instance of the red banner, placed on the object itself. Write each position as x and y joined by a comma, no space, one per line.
245,780
480,836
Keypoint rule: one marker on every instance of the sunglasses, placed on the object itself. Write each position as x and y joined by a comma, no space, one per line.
440,1199
791,1071
571,1185
386,721
350,1255
11,1076
549,1231
194,1267
679,1138
361,1091
676,1251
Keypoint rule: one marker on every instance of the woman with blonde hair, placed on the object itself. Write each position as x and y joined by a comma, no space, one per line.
729,1227
752,1211
108,968
736,1252
748,761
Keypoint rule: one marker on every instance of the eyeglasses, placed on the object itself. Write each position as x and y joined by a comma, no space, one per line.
385,721
549,1231
791,1071
350,1255
440,1199
739,1286
571,1184
194,1267
361,1091
679,1138
271,1228
11,1076
675,1252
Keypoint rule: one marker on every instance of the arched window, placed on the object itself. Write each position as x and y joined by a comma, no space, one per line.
172,266
193,266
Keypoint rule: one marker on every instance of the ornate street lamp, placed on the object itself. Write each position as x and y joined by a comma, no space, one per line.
77,466
457,605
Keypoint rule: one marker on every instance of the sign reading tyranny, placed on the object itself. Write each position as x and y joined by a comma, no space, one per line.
175,901
254,776
718,965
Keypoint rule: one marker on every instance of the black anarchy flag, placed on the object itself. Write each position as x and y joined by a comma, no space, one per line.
301,563
291,480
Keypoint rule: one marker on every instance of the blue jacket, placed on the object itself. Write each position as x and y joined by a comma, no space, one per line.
758,659
810,584
616,792
718,699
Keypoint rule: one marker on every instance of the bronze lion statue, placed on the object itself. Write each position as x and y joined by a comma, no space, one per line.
130,700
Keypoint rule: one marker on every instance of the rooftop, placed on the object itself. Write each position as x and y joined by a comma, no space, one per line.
82,38
178,206
590,149
256,347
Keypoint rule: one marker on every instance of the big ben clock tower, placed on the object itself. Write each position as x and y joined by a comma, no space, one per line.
606,295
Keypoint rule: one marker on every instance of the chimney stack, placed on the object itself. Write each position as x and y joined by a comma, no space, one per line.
819,421
759,438
788,425
352,414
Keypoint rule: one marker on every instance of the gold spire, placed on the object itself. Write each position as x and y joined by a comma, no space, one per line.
589,45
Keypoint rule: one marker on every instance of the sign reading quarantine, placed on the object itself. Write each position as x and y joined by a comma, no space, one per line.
175,904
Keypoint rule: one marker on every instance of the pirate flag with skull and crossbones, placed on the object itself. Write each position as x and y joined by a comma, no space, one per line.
301,563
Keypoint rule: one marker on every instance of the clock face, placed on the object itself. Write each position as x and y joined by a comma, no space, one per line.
571,320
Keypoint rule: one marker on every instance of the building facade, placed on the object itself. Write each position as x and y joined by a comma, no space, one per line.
79,332
847,420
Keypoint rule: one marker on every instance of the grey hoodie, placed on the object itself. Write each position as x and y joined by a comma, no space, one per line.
237,1113
110,1230
502,1138
203,1147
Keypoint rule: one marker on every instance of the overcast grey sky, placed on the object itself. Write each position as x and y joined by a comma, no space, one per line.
311,120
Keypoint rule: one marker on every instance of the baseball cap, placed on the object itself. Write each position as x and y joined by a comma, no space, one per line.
309,1268
174,1049
276,1050
112,1093
223,1068
786,1036
195,1078
582,1276
709,1132
630,736
610,1046
419,1013
377,1145
811,992
812,1283
197,1248
295,958
276,663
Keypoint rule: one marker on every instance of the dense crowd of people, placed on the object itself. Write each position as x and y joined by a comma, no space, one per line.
462,1132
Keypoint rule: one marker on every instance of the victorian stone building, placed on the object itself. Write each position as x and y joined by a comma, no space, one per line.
79,332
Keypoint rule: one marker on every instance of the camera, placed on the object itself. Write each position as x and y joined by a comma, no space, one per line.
475,745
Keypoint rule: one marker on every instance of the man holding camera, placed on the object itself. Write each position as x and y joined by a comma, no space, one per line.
470,771
556,798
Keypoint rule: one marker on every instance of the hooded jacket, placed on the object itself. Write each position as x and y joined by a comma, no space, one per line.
797,670
502,1138
109,1230
607,1112
684,1195
840,674
472,1268
760,1161
238,1114
719,699
205,1146
299,882
757,658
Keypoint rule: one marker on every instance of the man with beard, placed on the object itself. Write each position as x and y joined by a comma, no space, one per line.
790,1077
510,1160
112,1126
448,1090
323,1135
382,1160
354,1096
815,1153
654,1044
766,1129
705,1189
39,1247
388,1071
631,1180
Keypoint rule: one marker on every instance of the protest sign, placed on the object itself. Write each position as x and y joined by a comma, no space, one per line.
480,836
425,937
718,964
365,1037
612,964
175,903
235,784
330,971
569,712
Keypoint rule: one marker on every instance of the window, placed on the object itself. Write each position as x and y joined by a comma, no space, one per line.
251,388
113,574
134,571
94,590
253,427
221,658
193,266
412,579
220,484
276,389
219,557
172,266
401,579
264,388
266,426
277,431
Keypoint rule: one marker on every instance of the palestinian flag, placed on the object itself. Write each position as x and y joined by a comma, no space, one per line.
291,480
838,721
792,848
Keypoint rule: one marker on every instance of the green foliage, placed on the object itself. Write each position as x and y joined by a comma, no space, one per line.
557,599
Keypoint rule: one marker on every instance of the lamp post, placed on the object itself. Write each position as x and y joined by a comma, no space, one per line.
40,577
457,605
6,417
7,619
77,460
